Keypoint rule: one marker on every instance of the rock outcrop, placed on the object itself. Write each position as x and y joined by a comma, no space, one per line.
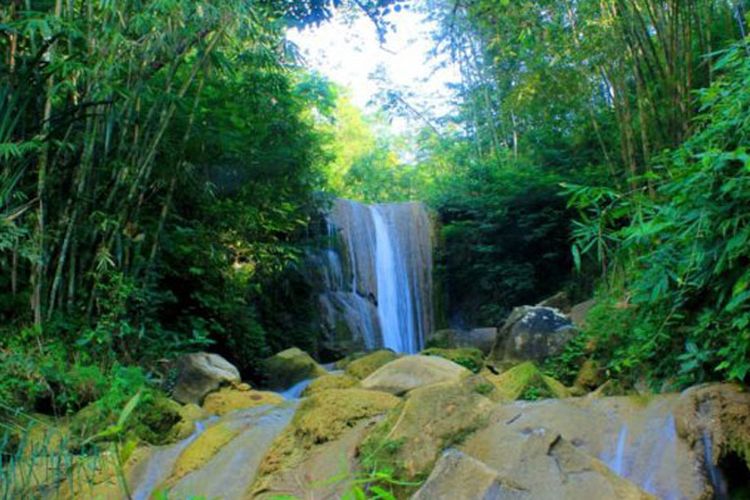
201,373
540,464
634,437
532,333
407,373
324,417
430,419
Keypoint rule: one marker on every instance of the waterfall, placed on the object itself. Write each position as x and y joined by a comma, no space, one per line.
377,275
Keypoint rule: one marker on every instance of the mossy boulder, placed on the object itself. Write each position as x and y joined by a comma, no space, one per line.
430,419
326,382
407,373
525,381
362,367
156,420
468,357
288,367
230,399
321,418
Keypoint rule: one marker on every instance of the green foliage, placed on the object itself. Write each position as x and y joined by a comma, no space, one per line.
504,238
684,313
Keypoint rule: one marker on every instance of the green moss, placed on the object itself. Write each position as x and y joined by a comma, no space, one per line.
526,381
286,368
364,366
409,440
327,382
468,357
321,418
201,451
229,399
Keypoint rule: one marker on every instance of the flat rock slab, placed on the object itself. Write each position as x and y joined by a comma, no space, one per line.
407,373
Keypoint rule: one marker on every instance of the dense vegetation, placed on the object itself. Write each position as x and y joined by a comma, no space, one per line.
159,167
161,162
633,111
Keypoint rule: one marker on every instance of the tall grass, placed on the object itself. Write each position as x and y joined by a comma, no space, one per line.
37,460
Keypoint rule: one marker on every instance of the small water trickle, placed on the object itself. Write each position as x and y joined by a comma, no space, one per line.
617,461
659,454
295,391
715,475
160,463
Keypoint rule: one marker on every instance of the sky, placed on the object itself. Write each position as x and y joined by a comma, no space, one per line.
348,51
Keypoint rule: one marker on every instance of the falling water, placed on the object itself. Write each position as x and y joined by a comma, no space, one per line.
378,276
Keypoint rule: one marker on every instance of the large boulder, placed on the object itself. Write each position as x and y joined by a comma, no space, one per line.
365,365
430,419
207,465
322,473
407,373
286,368
532,333
201,373
322,418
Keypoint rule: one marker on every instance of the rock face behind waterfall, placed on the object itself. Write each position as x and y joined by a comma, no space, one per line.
375,276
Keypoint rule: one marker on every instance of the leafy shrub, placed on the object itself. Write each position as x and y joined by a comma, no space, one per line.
683,302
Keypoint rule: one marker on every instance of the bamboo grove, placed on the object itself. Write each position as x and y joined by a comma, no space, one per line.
630,111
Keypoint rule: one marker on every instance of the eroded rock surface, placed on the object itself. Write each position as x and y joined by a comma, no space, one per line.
431,418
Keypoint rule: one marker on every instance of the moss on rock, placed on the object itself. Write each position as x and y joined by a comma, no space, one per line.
589,375
364,366
525,381
326,382
288,367
229,399
201,451
321,418
468,357
431,419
